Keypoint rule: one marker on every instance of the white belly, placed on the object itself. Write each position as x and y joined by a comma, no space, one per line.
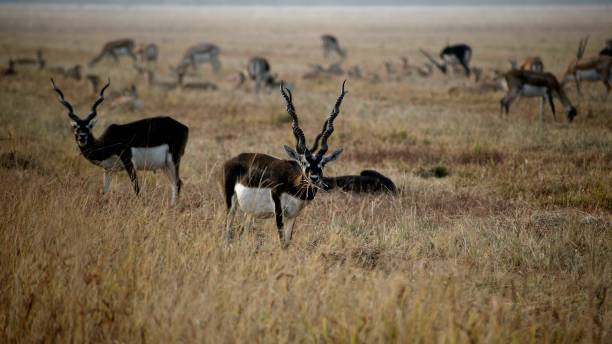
258,202
151,158
122,51
533,91
588,75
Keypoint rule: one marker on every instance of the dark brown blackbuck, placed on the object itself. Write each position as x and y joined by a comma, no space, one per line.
148,144
264,186
452,55
115,49
528,83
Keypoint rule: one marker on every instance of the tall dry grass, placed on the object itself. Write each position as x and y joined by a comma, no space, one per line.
513,246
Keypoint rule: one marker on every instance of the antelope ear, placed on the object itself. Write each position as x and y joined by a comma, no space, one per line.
92,123
292,153
333,156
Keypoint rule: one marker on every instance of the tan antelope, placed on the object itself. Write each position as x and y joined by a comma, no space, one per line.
115,49
264,186
199,54
596,68
331,45
528,83
530,63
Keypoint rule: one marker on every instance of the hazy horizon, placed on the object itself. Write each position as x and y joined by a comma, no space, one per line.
314,2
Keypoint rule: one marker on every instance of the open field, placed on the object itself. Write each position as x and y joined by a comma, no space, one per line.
514,245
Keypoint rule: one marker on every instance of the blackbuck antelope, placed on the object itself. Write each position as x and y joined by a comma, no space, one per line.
259,71
331,45
531,63
148,144
115,49
73,72
264,186
199,54
607,51
452,55
535,84
38,60
148,53
368,181
596,68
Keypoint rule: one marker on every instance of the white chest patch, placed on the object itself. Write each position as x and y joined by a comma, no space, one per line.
151,158
589,75
258,202
533,91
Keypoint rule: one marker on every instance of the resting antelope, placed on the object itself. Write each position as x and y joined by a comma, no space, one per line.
115,49
331,45
452,55
596,68
201,53
535,84
368,181
148,144
39,60
265,186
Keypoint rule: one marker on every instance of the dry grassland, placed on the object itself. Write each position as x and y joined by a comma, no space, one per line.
515,245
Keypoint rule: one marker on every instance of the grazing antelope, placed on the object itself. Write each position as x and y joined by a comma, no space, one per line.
368,181
130,98
535,84
607,51
265,186
73,72
452,55
531,63
331,45
199,54
148,53
596,68
259,71
115,49
39,60
148,144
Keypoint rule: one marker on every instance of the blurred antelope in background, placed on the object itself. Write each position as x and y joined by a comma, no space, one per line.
148,53
199,54
258,70
596,68
452,55
73,72
531,63
148,144
331,45
38,60
528,83
607,50
115,49
264,186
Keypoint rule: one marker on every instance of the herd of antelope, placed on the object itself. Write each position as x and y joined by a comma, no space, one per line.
261,185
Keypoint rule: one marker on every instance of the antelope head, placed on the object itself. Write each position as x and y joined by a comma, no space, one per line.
82,127
310,160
